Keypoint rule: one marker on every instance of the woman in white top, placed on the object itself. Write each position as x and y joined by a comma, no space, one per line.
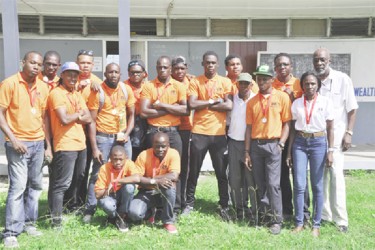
312,128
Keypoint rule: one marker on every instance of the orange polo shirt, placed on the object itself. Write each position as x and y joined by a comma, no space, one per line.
87,90
150,166
112,117
186,121
24,119
106,171
137,96
69,137
292,84
51,84
205,121
278,112
171,93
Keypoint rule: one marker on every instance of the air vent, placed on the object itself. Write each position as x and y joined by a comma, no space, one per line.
268,27
29,23
63,25
309,27
226,27
102,25
349,27
188,27
141,26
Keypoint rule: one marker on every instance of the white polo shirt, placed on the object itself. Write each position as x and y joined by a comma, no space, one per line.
237,126
323,111
339,88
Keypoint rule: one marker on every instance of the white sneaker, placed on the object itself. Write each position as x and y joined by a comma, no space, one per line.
11,242
32,231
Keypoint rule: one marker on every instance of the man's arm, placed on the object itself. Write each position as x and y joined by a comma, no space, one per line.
247,158
225,105
85,117
96,153
196,104
147,110
17,145
347,140
130,111
179,109
48,135
284,134
166,180
101,193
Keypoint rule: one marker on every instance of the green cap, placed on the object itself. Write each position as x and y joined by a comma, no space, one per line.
244,77
264,70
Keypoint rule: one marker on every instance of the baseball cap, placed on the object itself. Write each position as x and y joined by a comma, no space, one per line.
178,59
136,62
245,77
263,70
70,66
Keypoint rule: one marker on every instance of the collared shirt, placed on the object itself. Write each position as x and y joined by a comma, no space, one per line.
293,84
323,111
237,126
339,88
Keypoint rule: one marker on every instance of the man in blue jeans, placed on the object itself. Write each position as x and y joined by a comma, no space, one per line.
23,100
114,189
112,109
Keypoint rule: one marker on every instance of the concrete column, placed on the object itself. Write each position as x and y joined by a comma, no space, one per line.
124,36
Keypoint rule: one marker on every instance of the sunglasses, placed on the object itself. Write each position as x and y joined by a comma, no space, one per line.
85,52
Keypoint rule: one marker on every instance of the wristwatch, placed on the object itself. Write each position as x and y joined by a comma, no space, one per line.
350,132
152,181
211,101
282,145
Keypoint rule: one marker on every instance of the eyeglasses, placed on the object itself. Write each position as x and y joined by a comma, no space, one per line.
138,73
85,52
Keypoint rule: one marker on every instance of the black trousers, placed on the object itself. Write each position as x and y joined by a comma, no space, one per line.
185,156
199,145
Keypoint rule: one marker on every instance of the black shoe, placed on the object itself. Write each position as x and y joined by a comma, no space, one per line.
111,221
342,229
275,229
224,213
121,225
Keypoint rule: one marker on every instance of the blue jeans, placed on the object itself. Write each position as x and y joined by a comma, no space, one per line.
118,203
147,199
25,186
313,151
105,145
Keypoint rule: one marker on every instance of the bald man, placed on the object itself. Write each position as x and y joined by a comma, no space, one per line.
338,87
160,167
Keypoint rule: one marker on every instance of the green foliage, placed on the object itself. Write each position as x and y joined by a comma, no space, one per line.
203,228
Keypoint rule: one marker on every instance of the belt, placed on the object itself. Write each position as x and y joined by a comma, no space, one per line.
162,129
106,135
311,135
264,141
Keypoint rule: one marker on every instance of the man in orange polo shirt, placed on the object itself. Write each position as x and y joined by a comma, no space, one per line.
268,117
210,97
23,100
114,121
51,64
68,113
159,167
114,188
286,82
137,73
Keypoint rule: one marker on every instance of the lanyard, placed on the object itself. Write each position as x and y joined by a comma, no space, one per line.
74,103
156,170
264,109
32,95
136,91
210,91
111,97
307,114
115,181
164,90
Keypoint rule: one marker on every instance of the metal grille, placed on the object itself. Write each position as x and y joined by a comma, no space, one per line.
63,25
224,27
188,27
309,27
142,26
102,25
349,27
269,27
29,23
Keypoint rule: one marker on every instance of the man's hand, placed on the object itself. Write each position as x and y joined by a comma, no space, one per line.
157,105
247,161
289,160
97,155
164,183
48,155
346,142
329,161
20,147
109,189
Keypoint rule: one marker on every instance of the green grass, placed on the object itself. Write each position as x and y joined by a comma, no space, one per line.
203,229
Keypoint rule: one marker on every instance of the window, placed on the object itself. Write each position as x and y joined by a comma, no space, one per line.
269,27
309,27
188,27
349,27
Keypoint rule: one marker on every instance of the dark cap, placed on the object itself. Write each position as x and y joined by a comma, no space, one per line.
178,59
136,62
264,70
244,77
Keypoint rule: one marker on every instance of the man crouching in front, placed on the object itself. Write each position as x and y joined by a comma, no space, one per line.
160,167
115,187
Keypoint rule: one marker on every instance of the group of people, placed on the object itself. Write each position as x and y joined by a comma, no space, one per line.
104,139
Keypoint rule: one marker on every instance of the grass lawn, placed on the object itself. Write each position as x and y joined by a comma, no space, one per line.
203,228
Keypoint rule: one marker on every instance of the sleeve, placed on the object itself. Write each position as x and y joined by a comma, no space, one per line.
93,101
131,168
101,182
140,162
285,112
174,162
193,87
294,110
131,99
6,94
297,90
249,113
350,101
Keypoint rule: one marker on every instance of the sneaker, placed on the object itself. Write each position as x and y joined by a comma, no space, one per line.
121,225
170,228
343,229
315,232
275,229
87,218
224,213
11,242
187,210
32,231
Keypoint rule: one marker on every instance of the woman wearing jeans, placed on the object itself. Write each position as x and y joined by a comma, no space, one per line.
312,128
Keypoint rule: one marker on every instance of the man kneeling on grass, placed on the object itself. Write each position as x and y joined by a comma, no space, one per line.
160,167
114,187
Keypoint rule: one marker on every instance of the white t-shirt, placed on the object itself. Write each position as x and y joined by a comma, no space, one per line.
338,87
323,111
237,126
